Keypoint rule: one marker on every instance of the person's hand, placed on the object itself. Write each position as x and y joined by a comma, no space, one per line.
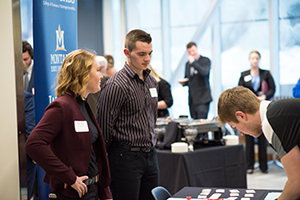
191,58
79,186
181,82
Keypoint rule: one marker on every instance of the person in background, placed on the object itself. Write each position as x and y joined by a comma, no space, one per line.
261,83
67,142
28,73
296,90
110,65
28,85
102,62
29,125
92,98
197,71
279,121
127,113
165,99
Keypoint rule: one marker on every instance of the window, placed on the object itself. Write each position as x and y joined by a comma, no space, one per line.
244,28
289,40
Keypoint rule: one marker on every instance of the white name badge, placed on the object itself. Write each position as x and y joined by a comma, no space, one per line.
81,126
153,92
247,78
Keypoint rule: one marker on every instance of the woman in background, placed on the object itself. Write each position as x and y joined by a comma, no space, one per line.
110,65
165,99
76,163
261,83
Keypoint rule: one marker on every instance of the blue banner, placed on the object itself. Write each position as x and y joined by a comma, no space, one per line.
54,36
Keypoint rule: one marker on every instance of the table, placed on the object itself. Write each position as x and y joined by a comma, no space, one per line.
220,166
195,191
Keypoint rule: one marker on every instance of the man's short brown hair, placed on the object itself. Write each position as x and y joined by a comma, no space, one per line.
27,47
190,44
236,99
136,35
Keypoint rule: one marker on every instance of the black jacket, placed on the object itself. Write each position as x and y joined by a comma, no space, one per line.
165,94
265,77
199,87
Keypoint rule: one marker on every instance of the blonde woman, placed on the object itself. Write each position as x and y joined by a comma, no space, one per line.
165,99
76,164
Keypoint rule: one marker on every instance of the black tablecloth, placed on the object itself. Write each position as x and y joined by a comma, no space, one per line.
221,166
195,191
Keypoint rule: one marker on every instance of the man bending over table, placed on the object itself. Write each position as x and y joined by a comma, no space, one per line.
279,121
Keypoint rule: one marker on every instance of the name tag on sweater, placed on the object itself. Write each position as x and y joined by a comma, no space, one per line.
81,126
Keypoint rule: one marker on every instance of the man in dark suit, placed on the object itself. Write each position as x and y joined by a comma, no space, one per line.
197,78
28,84
28,75
29,124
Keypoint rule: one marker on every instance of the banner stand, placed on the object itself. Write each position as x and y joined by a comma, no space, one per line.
54,36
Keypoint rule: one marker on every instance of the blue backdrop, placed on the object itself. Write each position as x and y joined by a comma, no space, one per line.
54,36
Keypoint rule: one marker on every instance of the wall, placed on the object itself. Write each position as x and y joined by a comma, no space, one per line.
9,171
90,30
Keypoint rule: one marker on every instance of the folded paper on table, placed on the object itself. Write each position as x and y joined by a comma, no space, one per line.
272,195
171,198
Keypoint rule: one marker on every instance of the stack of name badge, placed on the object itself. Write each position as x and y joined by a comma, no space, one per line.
179,147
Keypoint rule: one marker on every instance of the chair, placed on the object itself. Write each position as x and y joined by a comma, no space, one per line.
160,193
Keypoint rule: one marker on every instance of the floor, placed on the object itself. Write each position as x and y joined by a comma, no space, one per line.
274,179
